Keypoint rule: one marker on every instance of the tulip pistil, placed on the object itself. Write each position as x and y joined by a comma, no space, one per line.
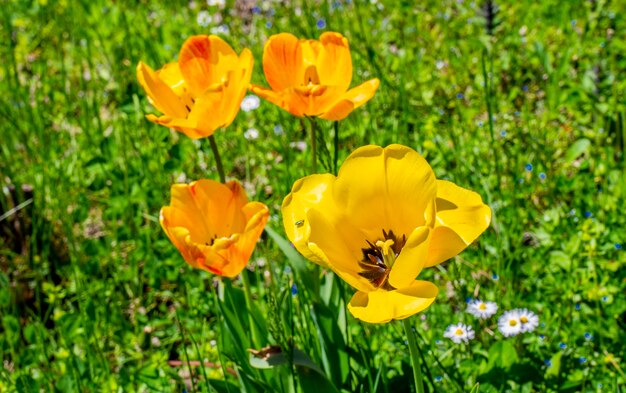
379,257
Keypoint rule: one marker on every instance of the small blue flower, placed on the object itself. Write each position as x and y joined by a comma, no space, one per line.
588,336
542,337
542,176
503,133
438,378
268,24
459,96
517,113
256,9
495,277
287,270
441,111
605,298
588,214
547,362
562,345
618,246
525,88
600,386
278,129
528,167
321,23
582,359
573,22
468,299
438,342
572,212
294,290
480,124
577,307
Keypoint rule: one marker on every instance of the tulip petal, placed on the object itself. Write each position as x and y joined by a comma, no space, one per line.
204,61
282,62
271,96
383,306
385,189
351,100
307,193
238,253
461,218
339,245
334,63
161,95
410,262
170,75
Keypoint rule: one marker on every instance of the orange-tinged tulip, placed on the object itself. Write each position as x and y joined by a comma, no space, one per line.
311,78
201,92
378,223
213,225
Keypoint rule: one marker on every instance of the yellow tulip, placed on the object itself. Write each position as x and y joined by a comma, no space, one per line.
311,78
378,223
213,225
201,92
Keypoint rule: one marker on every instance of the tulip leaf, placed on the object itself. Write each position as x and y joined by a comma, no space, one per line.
297,261
312,378
577,149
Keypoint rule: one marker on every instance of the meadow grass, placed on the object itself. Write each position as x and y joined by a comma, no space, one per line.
528,113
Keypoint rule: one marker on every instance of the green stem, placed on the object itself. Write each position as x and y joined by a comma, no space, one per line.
414,351
489,92
248,294
336,151
313,144
218,160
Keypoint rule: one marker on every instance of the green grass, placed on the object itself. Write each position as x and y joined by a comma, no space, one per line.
93,296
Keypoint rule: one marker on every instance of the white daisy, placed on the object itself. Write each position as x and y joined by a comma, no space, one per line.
251,133
218,3
204,18
528,319
459,333
480,309
509,323
250,103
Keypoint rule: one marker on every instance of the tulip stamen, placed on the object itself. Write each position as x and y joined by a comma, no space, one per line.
379,257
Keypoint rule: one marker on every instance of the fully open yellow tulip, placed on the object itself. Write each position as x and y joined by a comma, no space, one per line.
213,225
378,223
201,92
311,78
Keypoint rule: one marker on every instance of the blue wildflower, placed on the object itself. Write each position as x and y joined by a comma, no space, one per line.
582,359
503,133
618,246
321,23
542,176
294,290
460,96
562,345
438,378
547,362
588,336
577,307
256,9
528,167
588,214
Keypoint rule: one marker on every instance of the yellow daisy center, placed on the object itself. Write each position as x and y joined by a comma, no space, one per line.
512,322
459,332
523,320
482,306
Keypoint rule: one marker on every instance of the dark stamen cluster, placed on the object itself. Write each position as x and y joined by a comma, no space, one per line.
373,264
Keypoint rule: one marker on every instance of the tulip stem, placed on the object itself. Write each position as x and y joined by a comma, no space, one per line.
254,333
414,351
218,159
313,144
